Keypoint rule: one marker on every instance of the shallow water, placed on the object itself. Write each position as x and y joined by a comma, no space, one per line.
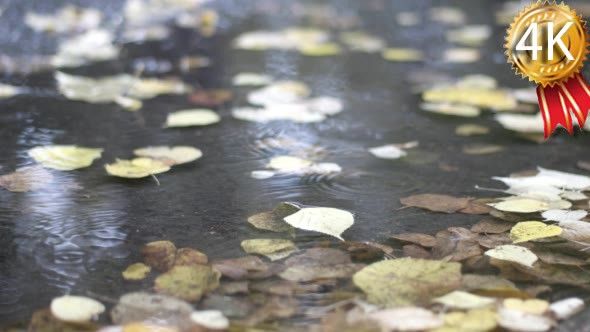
67,240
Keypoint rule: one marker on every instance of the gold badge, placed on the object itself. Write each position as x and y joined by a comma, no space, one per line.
547,43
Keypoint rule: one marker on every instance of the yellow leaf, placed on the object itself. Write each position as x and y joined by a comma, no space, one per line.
323,49
274,249
194,117
170,155
137,271
464,300
530,306
136,168
402,54
65,157
532,230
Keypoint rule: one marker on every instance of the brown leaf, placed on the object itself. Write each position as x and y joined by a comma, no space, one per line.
491,241
275,308
423,240
319,263
239,268
437,203
414,251
159,255
456,244
554,257
29,178
210,98
558,274
362,251
492,226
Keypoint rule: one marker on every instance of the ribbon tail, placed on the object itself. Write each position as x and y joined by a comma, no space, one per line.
576,93
554,109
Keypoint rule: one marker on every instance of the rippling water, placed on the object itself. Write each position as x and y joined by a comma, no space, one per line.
77,235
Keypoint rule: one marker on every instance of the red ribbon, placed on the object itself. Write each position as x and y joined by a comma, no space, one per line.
558,102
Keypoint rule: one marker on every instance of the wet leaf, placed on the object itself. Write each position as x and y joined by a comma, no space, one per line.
477,320
251,79
407,281
406,319
28,178
190,118
527,205
288,164
437,203
137,271
522,123
268,221
451,109
93,90
566,308
551,256
461,55
471,130
240,268
76,309
322,49
210,319
159,255
456,244
141,306
189,256
530,306
492,226
402,54
464,300
564,215
477,149
488,284
416,251
147,327
170,155
477,97
136,168
67,19
362,42
424,240
128,103
64,157
282,92
511,253
146,88
392,151
324,220
470,35
8,91
210,98
188,282
319,263
520,321
274,249
90,46
558,274
533,230
574,230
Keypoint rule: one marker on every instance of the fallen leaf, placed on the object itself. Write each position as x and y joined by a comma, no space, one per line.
492,226
392,151
406,319
170,155
269,221
533,230
437,203
551,256
477,149
574,230
530,306
476,97
319,263
520,321
64,157
28,178
362,42
137,271
68,19
471,130
456,244
423,240
240,268
407,281
463,300
476,320
136,168
146,88
274,249
320,49
566,308
76,309
528,205
470,35
210,98
159,255
210,319
415,251
402,54
251,79
511,253
564,215
188,282
461,55
193,117
467,111
324,220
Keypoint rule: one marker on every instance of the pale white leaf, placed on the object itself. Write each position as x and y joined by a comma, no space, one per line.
210,319
78,309
564,215
325,220
566,308
512,253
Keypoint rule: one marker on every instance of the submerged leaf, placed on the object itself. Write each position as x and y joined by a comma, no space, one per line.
533,230
29,178
407,281
188,282
323,220
194,117
64,157
136,168
437,203
170,155
319,263
268,221
274,249
137,271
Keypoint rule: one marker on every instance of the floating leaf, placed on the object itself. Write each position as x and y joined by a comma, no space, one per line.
68,19
470,35
464,300
322,49
516,254
451,109
566,308
471,130
575,230
274,249
239,268
529,306
323,220
527,205
188,282
478,97
189,118
461,55
7,91
210,98
93,90
392,151
402,54
319,263
288,164
437,203
137,271
564,215
76,309
159,254
29,178
362,41
522,123
477,149
251,79
262,174
146,88
170,155
533,230
407,281
493,226
64,157
136,168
